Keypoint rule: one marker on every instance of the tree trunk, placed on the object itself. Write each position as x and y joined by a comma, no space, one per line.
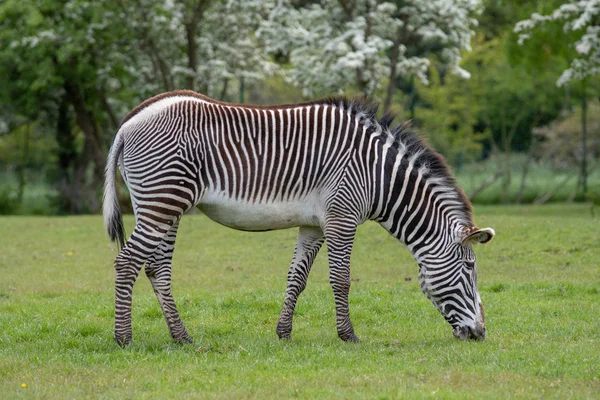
66,157
108,109
158,62
224,89
348,8
584,172
242,90
361,82
411,99
23,164
192,51
393,66
488,182
506,156
92,151
195,13
524,177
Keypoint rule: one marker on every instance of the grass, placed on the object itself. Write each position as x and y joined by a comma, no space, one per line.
538,279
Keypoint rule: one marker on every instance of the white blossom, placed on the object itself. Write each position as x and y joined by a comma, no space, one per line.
331,49
577,16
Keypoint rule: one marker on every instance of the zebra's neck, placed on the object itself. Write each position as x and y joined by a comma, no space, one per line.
417,200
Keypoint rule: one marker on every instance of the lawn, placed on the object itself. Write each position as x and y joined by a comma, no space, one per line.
539,281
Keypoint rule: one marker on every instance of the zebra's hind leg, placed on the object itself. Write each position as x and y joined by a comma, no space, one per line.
308,244
340,238
143,242
158,271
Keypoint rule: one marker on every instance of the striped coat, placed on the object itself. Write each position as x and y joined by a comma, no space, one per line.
324,166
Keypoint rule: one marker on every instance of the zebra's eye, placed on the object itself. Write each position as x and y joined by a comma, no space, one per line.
470,264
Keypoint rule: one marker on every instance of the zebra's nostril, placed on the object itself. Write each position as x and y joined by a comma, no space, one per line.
461,332
469,333
477,333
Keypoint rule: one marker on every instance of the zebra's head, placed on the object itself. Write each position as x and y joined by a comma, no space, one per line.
449,280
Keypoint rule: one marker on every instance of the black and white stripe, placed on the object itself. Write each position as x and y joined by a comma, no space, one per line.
325,166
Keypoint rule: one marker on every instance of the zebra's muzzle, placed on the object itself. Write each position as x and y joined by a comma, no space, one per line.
469,333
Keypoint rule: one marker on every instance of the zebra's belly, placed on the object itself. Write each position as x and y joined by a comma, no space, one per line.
245,216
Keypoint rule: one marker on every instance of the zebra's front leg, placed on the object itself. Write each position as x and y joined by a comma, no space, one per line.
340,238
158,270
308,244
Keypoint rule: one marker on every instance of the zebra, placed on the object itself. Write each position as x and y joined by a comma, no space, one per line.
324,166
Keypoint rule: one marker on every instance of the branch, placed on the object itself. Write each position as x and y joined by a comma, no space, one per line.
548,196
516,123
489,182
107,107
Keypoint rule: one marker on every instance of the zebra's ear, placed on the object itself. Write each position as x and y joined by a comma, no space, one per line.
476,235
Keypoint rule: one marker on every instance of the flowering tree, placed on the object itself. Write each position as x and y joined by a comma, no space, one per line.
220,43
56,63
582,16
73,68
582,20
337,44
198,44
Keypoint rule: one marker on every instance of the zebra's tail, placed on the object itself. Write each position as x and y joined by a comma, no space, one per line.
113,220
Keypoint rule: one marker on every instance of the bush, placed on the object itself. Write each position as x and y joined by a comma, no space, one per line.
9,203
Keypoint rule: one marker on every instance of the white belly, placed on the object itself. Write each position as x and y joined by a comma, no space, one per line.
247,216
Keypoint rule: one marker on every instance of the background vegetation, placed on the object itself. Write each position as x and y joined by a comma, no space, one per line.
541,303
507,90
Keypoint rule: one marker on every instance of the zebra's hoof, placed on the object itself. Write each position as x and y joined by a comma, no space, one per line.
185,340
284,332
123,341
350,338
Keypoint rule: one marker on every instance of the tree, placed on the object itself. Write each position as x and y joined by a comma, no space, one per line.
74,68
582,23
56,62
218,44
340,45
448,117
580,17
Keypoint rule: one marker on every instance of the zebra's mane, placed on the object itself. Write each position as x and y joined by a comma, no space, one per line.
407,141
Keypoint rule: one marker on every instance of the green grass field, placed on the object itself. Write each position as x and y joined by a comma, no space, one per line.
539,281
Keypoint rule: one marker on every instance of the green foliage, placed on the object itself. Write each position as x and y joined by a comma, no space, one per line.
448,117
75,68
69,71
27,146
559,142
36,198
9,203
569,30
511,90
513,100
541,299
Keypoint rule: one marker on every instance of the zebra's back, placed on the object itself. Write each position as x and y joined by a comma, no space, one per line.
249,168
